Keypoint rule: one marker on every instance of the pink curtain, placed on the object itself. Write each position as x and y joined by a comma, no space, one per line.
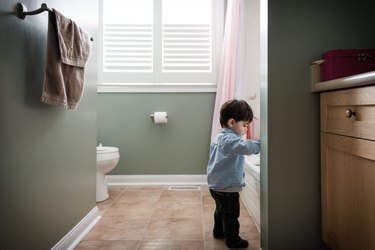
230,77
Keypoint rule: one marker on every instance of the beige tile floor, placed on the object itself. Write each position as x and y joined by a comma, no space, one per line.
152,217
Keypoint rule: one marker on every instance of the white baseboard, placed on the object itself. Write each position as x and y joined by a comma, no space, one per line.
72,239
156,179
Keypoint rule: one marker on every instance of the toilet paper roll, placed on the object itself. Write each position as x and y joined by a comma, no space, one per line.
160,117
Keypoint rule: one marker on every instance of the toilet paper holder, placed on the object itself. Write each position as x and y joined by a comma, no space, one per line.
152,117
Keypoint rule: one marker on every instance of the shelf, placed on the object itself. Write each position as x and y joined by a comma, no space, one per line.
363,79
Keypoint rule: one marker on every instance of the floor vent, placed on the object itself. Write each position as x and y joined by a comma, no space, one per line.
184,188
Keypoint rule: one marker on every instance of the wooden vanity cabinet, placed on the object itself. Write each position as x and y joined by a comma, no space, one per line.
348,168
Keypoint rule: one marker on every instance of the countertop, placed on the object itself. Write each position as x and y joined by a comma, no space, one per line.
363,79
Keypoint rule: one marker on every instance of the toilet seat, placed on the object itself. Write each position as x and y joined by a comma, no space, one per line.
101,150
106,153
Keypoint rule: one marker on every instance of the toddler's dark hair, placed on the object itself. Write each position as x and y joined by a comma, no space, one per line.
239,110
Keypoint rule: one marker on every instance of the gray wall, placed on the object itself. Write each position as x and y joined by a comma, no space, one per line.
47,159
298,32
179,147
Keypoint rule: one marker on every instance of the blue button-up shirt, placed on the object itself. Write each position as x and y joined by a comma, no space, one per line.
225,166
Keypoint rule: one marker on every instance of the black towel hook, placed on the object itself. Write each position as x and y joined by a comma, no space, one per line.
22,10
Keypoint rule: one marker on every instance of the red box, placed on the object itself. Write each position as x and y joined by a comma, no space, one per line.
346,62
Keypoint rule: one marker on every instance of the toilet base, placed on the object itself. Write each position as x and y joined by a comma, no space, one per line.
101,187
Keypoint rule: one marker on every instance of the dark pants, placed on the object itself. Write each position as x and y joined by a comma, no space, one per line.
226,216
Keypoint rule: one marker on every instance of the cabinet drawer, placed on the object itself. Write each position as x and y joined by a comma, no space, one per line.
349,112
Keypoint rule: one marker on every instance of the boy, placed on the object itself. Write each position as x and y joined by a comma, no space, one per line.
225,170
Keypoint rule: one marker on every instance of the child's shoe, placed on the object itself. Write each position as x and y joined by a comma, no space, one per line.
241,244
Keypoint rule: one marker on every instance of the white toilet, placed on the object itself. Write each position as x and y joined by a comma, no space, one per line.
106,160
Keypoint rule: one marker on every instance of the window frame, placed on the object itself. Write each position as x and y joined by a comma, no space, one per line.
217,37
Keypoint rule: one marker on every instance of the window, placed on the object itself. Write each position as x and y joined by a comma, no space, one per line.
159,45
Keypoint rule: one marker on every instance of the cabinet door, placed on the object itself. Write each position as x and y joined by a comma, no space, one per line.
348,192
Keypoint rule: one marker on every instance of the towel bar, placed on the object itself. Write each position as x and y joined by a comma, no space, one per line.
22,11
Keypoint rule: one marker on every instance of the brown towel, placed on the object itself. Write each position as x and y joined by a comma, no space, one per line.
68,49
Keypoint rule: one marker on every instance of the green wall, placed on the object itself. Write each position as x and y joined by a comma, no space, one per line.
179,147
298,32
47,159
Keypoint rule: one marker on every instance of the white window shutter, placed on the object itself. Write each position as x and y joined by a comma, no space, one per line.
186,48
128,48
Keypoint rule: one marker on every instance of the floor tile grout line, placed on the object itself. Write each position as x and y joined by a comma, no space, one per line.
153,212
114,200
